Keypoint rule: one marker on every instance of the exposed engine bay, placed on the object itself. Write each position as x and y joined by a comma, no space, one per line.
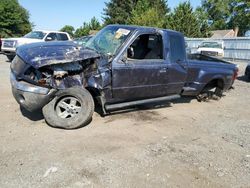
51,72
62,76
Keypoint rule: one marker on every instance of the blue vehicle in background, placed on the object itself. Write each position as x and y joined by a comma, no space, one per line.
120,67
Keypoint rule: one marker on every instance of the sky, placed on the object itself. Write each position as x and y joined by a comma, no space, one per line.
54,14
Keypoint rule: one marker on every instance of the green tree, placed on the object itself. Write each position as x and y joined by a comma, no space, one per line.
150,13
204,26
69,29
240,16
218,12
118,11
84,30
14,19
228,14
183,19
161,6
94,24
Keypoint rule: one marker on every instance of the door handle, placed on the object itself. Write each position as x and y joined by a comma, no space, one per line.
163,70
181,63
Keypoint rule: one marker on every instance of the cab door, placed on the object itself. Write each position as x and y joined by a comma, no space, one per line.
178,67
143,71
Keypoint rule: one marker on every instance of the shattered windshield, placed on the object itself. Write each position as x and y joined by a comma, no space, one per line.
35,35
211,45
109,40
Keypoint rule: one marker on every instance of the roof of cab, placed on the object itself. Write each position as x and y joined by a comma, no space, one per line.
145,28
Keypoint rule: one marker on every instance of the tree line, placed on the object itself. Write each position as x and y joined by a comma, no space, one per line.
193,22
198,22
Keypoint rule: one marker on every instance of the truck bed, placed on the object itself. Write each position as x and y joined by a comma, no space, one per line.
203,69
201,57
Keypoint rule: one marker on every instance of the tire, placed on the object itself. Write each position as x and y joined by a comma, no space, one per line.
208,94
10,57
248,77
71,109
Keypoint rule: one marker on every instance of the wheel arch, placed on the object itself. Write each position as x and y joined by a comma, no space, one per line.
94,92
215,82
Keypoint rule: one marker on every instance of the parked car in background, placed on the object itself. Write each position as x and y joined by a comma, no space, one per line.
247,72
122,66
83,40
10,45
188,49
211,48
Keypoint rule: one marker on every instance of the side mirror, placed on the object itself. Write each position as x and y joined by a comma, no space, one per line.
49,39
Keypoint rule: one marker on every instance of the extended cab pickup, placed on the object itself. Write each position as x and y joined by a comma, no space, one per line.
121,66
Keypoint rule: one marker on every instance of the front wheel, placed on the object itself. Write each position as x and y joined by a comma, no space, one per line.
72,108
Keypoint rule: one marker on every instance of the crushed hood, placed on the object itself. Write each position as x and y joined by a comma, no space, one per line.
49,53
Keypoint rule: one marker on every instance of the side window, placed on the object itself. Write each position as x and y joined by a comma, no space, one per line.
177,48
51,37
146,46
62,36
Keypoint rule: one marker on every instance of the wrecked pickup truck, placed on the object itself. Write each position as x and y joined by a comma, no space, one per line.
121,66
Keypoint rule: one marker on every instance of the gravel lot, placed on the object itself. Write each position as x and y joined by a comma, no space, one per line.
179,144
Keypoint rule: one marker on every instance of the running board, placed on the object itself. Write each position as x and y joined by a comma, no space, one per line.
186,89
140,102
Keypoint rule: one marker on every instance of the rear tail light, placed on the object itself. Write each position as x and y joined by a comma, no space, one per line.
236,72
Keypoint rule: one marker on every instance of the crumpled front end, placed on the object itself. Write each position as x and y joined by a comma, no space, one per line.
30,97
39,71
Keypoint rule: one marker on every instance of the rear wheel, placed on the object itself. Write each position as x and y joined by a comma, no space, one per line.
248,76
213,91
70,109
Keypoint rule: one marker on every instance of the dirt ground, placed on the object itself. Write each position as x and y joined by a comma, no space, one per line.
179,144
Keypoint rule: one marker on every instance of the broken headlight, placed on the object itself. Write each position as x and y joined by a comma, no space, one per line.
38,77
18,66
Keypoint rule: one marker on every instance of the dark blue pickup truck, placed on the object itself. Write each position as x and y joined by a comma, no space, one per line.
121,66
